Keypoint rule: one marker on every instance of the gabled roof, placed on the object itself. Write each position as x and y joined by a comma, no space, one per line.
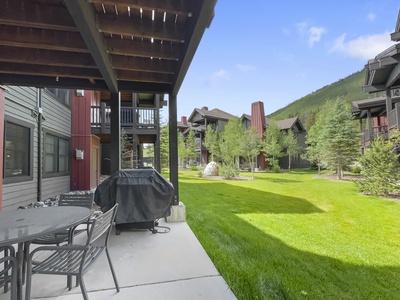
287,123
215,113
246,116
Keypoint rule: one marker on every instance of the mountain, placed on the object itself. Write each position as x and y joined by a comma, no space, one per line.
349,88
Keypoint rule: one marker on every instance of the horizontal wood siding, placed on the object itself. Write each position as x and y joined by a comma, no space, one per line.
19,104
54,186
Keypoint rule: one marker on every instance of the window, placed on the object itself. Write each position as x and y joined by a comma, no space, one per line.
18,147
62,95
56,155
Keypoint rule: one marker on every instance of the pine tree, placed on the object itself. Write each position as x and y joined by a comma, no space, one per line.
380,167
339,138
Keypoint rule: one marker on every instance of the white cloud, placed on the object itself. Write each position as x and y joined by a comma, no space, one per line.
315,34
217,76
363,47
245,68
371,17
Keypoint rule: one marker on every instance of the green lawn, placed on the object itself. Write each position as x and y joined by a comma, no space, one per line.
293,236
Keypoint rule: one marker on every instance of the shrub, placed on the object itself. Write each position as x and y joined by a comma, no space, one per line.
228,171
356,169
381,169
276,169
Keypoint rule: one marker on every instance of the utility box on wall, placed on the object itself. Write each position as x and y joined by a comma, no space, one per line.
79,154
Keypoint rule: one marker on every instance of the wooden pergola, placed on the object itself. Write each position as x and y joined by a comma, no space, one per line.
143,46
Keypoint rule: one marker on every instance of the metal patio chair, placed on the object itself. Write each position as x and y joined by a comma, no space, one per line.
82,200
8,271
75,260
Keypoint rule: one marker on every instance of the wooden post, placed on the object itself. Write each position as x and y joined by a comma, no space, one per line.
370,133
102,117
115,151
173,146
2,100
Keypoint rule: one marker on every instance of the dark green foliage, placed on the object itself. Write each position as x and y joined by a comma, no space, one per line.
381,169
339,138
348,88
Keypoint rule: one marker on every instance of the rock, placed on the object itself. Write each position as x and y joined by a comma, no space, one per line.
212,169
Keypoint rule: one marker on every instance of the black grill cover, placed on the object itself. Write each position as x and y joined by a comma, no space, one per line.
142,195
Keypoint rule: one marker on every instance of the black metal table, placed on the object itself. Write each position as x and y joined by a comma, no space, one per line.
20,226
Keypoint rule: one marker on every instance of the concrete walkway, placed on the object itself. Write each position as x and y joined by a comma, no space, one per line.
149,266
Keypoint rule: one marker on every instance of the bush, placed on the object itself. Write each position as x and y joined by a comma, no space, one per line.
228,171
356,170
381,169
276,169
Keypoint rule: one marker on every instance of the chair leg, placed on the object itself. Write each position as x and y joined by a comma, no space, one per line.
112,271
5,267
83,287
25,259
28,280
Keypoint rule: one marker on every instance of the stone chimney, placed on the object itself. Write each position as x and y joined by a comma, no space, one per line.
184,120
204,108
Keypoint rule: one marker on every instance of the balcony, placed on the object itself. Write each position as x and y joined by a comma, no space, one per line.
367,137
132,120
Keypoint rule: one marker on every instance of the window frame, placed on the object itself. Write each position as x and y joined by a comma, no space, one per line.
56,95
58,136
30,127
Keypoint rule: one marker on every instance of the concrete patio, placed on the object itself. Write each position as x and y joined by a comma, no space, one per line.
171,265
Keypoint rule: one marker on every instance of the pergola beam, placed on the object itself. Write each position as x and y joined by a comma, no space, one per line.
85,19
394,75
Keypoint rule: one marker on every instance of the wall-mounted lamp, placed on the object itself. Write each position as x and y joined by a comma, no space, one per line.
79,154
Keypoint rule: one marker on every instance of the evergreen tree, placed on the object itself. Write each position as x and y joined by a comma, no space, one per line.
126,150
164,146
339,138
190,143
380,167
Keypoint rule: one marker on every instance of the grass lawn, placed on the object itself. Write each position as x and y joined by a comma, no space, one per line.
293,236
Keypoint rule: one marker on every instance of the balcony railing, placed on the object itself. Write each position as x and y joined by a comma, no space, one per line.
394,117
367,137
130,117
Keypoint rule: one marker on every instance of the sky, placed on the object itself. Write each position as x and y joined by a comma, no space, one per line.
279,51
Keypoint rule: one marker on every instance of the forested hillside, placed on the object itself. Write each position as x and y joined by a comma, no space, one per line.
349,88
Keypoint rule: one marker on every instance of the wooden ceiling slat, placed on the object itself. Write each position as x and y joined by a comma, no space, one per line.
143,49
46,57
41,39
26,14
141,28
143,64
143,76
30,69
170,6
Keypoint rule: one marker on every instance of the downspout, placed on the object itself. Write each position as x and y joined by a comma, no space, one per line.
39,146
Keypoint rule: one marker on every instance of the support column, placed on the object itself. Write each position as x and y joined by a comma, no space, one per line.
115,140
157,152
389,103
370,130
173,146
2,101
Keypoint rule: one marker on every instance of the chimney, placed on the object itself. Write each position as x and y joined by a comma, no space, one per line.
258,117
204,108
184,120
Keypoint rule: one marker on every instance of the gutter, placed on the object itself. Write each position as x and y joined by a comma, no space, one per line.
39,146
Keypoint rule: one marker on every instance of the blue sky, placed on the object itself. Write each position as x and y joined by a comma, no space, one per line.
279,51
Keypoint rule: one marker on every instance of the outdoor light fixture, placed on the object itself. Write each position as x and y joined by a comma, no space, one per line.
79,154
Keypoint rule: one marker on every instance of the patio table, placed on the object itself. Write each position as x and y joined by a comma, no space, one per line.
20,226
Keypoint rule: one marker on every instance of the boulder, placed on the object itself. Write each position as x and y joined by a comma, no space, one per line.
212,169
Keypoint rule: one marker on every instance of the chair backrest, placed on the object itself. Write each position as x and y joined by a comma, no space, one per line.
84,200
101,224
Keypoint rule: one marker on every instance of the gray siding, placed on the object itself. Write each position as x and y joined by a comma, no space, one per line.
19,104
